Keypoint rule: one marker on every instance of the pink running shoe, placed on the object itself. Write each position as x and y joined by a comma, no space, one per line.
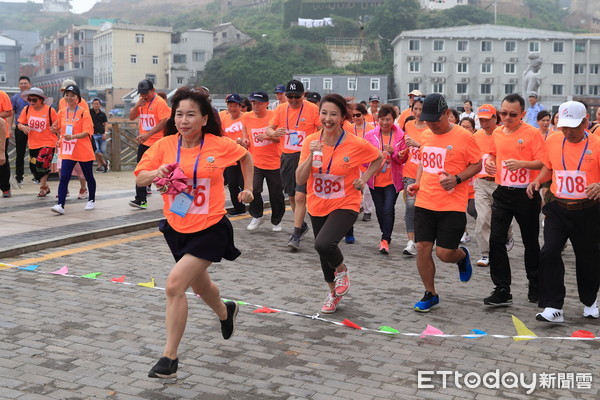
342,283
330,304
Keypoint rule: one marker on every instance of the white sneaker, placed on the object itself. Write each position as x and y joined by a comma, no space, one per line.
277,228
550,315
465,238
255,223
484,261
90,205
410,249
510,244
57,208
591,311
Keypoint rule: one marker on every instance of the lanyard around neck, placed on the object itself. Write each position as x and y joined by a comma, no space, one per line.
194,184
381,138
287,113
74,114
334,147
587,142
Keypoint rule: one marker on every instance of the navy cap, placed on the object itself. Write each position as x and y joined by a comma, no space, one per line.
145,86
313,97
233,98
279,89
261,97
374,98
433,107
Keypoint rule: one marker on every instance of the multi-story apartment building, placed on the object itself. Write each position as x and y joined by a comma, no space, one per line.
9,63
483,63
359,87
190,51
65,55
125,54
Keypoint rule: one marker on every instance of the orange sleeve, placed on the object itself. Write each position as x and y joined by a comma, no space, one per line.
164,111
473,151
306,147
539,147
276,119
88,124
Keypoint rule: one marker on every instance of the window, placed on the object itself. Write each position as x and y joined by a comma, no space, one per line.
76,51
199,56
557,90
462,68
509,88
414,66
414,45
151,77
76,65
438,45
557,69
594,69
485,88
61,68
486,68
76,35
154,59
2,57
81,50
580,46
486,45
179,58
509,68
579,90
438,88
327,84
375,82
558,47
133,59
461,88
61,42
180,80
61,55
437,67
351,83
534,47
2,77
47,71
594,90
306,83
462,45
224,35
413,86
238,36
510,46
139,38
579,69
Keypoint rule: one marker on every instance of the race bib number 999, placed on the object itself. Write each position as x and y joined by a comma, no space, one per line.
327,186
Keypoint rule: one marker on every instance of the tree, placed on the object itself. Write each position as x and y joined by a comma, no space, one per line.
393,17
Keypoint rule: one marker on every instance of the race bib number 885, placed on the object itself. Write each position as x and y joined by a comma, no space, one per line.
328,186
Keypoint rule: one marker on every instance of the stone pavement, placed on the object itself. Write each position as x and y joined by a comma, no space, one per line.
66,337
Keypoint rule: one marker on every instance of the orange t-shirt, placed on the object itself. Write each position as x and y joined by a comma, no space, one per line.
81,121
232,128
331,191
5,104
570,183
266,154
403,116
151,114
62,103
304,121
208,207
383,177
410,168
483,141
358,130
525,144
39,126
451,152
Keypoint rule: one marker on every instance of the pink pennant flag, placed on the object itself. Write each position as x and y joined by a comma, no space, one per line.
431,330
62,271
265,310
350,324
119,279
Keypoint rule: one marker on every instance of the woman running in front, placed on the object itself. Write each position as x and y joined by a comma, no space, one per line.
330,166
196,227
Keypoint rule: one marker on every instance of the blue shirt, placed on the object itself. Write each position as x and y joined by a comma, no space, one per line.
18,104
532,112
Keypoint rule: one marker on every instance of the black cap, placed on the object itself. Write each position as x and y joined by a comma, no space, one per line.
433,107
294,87
313,97
374,98
145,86
233,98
261,97
74,89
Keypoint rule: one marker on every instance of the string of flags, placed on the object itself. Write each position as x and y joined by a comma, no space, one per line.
523,333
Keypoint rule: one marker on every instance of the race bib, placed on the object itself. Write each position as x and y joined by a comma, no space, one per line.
147,121
328,186
67,146
294,140
200,196
433,159
570,184
258,142
414,155
518,178
37,124
483,161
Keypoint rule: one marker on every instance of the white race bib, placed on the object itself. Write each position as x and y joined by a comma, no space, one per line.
67,146
570,184
328,186
201,196
37,124
294,140
433,159
483,161
518,178
257,142
147,121
414,155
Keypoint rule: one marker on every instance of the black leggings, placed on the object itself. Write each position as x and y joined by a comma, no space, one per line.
329,230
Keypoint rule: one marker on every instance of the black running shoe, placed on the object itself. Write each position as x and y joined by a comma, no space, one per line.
228,325
500,297
165,368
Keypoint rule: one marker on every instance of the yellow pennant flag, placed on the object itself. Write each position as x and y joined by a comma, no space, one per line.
522,330
147,284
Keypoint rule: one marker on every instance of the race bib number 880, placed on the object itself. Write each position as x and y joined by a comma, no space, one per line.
433,159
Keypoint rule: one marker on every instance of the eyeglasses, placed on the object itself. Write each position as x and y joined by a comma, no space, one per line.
357,115
32,99
505,113
292,96
417,98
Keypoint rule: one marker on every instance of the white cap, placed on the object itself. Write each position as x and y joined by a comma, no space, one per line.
570,114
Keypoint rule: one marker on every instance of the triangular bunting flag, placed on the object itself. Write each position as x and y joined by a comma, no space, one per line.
350,324
29,268
242,303
62,271
92,275
583,334
388,329
147,284
522,330
119,279
431,330
265,310
476,332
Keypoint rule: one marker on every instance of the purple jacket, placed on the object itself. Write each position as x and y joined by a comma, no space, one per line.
397,162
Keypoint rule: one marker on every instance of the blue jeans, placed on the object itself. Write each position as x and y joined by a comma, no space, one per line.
385,204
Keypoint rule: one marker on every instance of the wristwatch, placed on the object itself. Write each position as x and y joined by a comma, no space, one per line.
458,180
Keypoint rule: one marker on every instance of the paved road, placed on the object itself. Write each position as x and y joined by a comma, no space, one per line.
66,337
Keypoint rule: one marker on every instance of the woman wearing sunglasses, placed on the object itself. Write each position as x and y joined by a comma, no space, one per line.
36,121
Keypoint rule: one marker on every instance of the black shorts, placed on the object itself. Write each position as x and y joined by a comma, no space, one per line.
213,243
289,164
445,228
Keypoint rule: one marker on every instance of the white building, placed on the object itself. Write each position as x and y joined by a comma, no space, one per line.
191,50
61,6
359,87
483,63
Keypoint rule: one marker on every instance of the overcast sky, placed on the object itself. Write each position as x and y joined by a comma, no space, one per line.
79,6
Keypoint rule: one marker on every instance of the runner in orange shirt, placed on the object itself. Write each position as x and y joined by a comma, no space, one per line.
266,154
449,158
36,121
62,103
516,151
408,112
153,113
373,109
291,123
330,169
196,228
75,127
469,124
573,163
6,113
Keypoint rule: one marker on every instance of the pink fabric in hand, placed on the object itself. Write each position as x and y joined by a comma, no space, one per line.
174,183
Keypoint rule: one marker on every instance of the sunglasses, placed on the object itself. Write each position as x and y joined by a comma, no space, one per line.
417,98
505,113
32,99
293,96
357,115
